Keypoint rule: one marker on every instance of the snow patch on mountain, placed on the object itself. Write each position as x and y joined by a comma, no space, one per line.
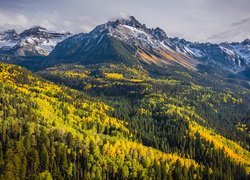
243,51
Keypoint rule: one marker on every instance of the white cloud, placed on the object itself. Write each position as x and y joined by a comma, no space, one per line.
18,21
13,20
51,21
124,15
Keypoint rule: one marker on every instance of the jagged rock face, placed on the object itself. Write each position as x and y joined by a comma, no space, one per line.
126,28
159,34
34,41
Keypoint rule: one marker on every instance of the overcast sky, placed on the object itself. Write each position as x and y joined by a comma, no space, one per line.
195,20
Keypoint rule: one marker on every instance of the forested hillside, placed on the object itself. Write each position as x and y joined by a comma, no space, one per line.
176,114
121,124
52,131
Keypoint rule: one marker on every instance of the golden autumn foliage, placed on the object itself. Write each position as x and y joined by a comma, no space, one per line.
62,128
113,75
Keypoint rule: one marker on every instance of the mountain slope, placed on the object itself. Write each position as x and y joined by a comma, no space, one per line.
79,50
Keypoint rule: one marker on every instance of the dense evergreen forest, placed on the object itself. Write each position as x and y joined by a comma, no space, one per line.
115,122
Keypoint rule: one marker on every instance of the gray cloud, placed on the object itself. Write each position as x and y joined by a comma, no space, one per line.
243,21
196,20
235,31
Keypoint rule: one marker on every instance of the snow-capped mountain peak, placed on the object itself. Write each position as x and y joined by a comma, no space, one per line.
131,31
129,24
34,41
234,56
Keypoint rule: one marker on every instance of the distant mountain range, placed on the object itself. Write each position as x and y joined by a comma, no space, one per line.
33,41
125,41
